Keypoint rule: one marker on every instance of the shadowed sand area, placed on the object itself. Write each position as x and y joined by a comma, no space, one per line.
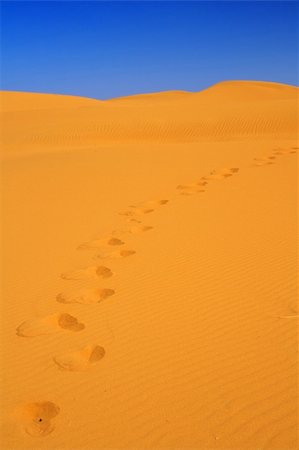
192,341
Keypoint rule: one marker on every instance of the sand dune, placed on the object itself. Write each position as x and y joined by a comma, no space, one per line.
149,270
229,110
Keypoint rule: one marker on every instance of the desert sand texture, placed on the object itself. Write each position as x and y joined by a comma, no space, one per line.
149,270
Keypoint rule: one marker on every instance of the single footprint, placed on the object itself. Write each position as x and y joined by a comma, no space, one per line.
140,229
189,189
265,159
262,163
86,297
88,272
124,253
48,325
278,151
187,192
158,202
80,360
225,171
36,418
98,243
182,187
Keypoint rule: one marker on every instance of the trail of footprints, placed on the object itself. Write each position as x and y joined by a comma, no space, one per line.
36,419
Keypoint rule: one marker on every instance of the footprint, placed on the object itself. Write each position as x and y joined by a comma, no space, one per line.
36,418
225,171
187,192
262,163
89,272
97,243
86,297
184,186
48,325
150,204
142,208
136,211
116,254
189,189
158,202
265,159
140,229
132,220
83,359
282,151
218,176
127,213
115,241
126,253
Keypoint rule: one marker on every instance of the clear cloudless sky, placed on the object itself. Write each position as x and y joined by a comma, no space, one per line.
109,49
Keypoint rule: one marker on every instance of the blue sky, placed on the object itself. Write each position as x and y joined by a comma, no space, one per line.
109,49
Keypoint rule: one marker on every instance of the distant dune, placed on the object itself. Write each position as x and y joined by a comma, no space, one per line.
149,276
227,111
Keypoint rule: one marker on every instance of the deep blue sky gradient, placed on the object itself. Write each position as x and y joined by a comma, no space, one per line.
110,49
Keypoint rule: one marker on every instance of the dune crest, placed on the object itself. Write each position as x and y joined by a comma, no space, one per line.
228,110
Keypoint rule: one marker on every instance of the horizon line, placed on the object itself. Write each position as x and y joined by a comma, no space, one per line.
150,93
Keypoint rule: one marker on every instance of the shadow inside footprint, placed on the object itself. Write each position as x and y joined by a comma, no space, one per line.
68,322
162,202
36,418
131,219
126,253
103,272
115,241
80,360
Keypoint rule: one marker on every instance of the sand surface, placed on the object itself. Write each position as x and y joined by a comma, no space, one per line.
149,270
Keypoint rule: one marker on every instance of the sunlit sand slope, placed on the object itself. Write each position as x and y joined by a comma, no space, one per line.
149,276
228,110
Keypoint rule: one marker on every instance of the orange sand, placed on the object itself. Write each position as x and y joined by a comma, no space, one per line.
149,270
